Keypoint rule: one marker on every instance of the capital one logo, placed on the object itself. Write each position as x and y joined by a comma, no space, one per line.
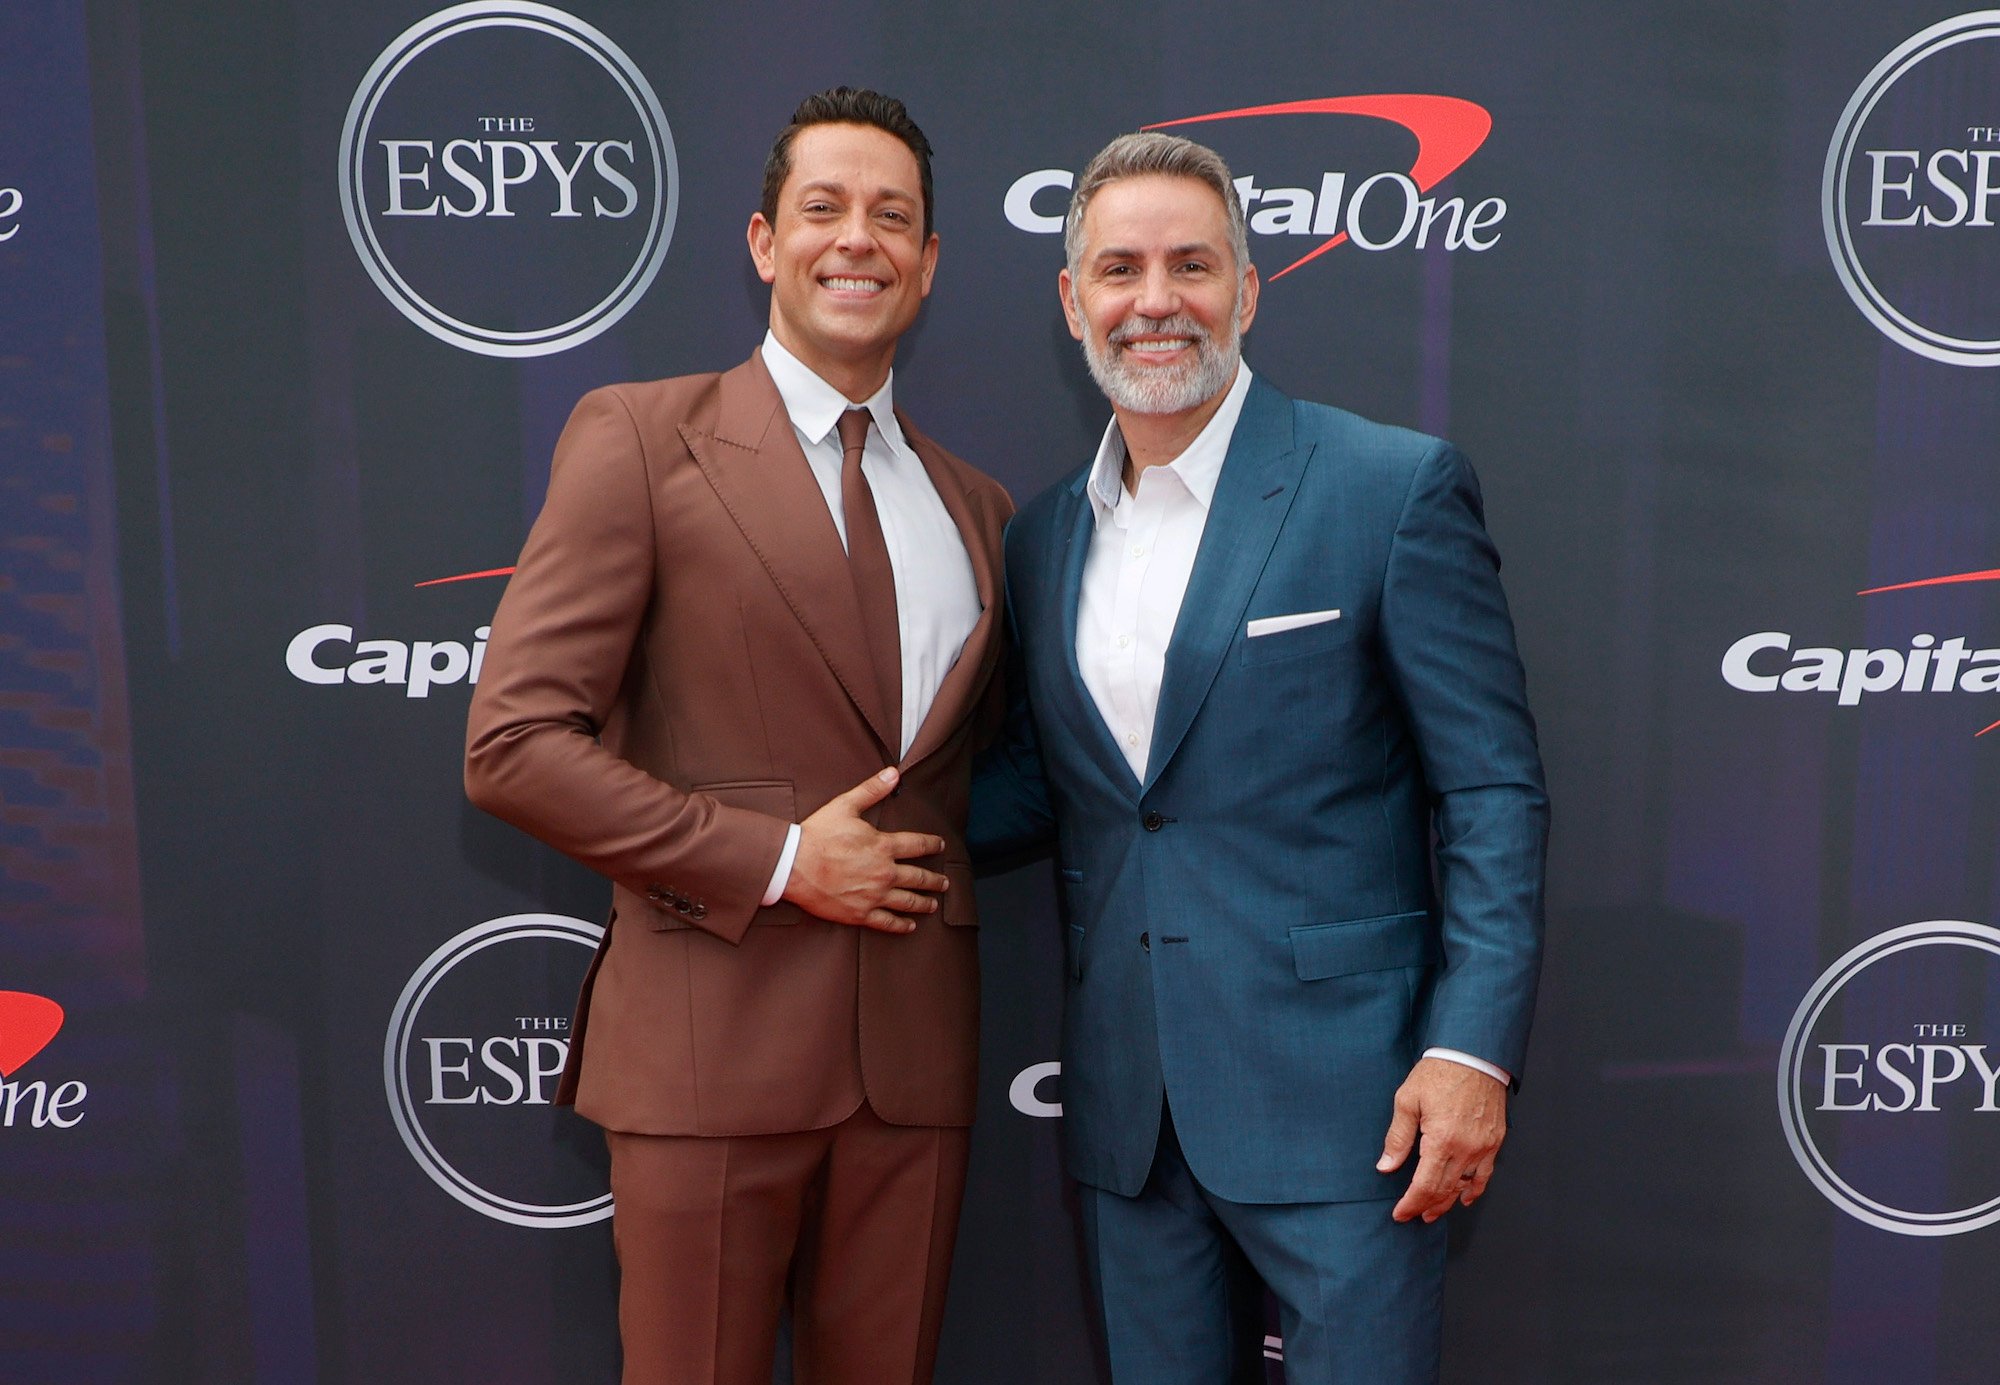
1910,197
1370,206
1769,661
508,178
27,1024
474,1048
333,655
1889,1081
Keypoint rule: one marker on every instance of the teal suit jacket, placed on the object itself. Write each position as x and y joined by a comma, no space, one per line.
1255,932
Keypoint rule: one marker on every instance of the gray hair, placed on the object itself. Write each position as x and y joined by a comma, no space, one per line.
1150,152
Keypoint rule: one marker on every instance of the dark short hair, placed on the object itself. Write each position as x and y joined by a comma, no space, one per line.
846,106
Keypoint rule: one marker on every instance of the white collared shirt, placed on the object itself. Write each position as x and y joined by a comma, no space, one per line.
1141,555
937,597
1137,570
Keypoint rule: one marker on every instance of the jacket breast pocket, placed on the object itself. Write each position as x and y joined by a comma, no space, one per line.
1295,643
1352,946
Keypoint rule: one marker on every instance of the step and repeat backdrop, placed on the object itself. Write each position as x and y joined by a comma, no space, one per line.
295,298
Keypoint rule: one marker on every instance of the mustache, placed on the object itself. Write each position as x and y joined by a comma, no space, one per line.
1179,325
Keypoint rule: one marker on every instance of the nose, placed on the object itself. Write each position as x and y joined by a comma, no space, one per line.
1159,296
857,234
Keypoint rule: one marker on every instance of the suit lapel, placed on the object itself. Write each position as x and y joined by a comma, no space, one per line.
981,651
1253,494
754,462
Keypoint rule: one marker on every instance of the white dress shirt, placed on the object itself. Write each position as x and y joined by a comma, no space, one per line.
937,597
1134,577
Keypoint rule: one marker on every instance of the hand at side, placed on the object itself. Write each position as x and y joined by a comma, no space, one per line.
1461,1113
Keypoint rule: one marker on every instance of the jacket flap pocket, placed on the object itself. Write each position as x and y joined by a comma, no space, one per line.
1321,950
958,905
772,797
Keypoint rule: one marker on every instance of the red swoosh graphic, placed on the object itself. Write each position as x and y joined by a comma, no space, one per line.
1448,130
468,576
27,1023
1991,574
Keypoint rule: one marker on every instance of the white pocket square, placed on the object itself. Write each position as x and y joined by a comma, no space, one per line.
1272,625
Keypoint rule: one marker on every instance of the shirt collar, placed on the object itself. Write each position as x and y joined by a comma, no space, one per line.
1198,467
814,406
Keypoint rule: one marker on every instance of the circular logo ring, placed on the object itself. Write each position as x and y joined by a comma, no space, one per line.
1897,325
541,19
395,1063
1791,1102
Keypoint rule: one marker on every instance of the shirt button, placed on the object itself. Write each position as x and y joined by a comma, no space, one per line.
1124,641
1138,550
1131,738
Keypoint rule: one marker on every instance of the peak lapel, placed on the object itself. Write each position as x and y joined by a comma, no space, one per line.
981,651
753,461
1259,480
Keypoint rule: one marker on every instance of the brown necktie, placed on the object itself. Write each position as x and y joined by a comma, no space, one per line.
874,578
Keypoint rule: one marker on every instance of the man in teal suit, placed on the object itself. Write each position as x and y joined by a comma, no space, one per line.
1266,680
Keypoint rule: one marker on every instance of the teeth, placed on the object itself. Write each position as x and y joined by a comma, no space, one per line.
852,285
1160,347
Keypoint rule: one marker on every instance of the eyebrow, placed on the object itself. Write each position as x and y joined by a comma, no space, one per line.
1119,252
834,185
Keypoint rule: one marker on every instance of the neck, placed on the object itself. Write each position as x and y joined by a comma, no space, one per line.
1156,439
856,377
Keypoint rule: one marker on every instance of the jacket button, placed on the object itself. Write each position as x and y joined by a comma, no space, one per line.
1146,942
1152,822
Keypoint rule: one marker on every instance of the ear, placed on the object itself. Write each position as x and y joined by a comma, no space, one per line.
929,262
1066,288
1249,299
761,236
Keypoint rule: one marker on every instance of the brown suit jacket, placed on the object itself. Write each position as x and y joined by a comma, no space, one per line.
676,672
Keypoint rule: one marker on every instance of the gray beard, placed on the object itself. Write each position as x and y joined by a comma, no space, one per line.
1151,390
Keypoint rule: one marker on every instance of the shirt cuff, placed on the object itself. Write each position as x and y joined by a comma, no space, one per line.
1452,1055
782,876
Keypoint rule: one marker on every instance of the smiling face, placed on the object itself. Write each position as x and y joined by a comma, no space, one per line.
1156,297
847,258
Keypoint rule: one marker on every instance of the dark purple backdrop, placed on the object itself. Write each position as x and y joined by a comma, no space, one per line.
217,432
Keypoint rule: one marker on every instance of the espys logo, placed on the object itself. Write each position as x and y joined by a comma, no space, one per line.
1383,209
474,1048
1911,191
1886,1084
504,222
27,1024
1767,662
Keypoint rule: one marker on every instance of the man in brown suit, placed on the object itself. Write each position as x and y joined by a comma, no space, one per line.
741,669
